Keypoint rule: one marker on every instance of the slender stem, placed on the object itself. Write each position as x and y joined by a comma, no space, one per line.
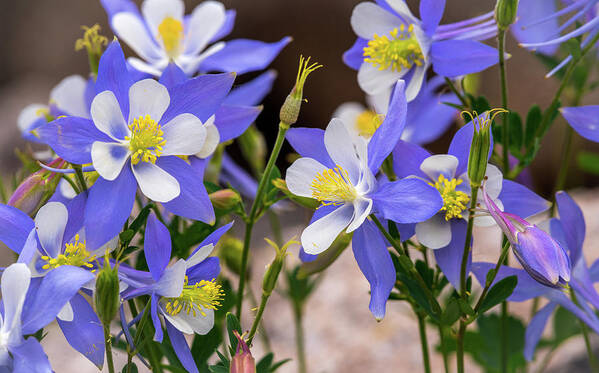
283,127
424,343
71,183
546,360
258,317
502,257
299,338
585,333
108,343
504,335
263,333
565,160
506,119
460,346
443,349
80,177
456,92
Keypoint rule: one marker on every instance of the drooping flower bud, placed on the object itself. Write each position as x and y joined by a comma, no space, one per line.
481,144
291,108
269,282
243,361
225,199
540,255
106,295
36,189
505,13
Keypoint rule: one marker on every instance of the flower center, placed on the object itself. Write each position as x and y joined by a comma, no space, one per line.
368,122
146,141
400,49
454,201
333,186
199,297
75,254
170,31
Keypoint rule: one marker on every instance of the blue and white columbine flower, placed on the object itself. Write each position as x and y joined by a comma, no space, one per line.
393,44
137,131
163,33
339,170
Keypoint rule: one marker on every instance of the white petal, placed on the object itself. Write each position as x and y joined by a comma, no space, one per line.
200,255
29,115
155,11
340,147
438,164
148,97
15,283
319,235
362,208
170,284
154,69
380,102
109,158
403,10
415,83
66,312
130,28
66,189
50,223
348,113
300,175
185,134
374,81
190,63
190,324
494,182
212,139
69,96
435,232
155,183
109,246
205,21
368,19
107,116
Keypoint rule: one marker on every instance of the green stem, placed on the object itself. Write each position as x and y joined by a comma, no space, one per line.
546,360
565,160
283,128
460,346
457,93
585,333
299,338
258,317
502,257
443,349
424,343
80,177
261,328
504,335
108,343
506,119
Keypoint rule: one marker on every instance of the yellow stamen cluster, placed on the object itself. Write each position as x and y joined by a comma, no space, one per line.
146,140
196,298
170,31
398,50
454,201
91,40
368,122
75,254
333,186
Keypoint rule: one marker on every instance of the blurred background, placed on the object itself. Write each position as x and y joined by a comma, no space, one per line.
37,51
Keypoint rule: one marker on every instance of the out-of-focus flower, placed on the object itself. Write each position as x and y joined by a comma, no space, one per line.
36,189
393,44
428,117
584,120
141,150
162,33
338,170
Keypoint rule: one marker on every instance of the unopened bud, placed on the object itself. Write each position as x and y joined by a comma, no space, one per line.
505,13
269,282
291,108
243,361
481,144
310,203
231,251
253,147
106,296
35,190
225,199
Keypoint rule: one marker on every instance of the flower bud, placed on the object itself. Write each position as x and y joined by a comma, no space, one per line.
35,190
269,282
310,203
231,250
242,361
106,296
481,145
225,199
291,108
253,147
505,13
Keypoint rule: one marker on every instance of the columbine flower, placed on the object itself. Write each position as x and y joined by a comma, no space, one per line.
162,33
27,309
584,120
446,231
137,132
428,117
185,293
338,170
393,44
67,98
538,27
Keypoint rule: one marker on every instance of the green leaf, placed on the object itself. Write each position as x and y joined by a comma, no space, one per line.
533,119
588,162
413,287
263,365
130,368
233,324
278,364
516,137
203,346
565,325
452,312
498,293
573,47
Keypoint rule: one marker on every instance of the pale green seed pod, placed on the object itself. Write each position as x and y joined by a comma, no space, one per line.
106,295
505,13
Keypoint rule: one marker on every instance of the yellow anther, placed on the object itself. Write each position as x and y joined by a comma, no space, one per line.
368,122
195,299
146,140
75,254
454,201
91,40
398,50
170,31
333,186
